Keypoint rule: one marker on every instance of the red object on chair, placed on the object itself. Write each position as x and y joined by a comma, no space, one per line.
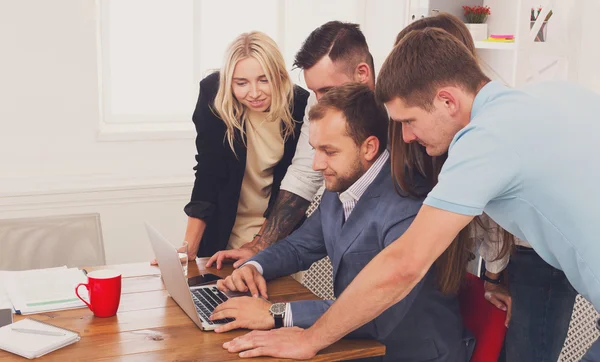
483,319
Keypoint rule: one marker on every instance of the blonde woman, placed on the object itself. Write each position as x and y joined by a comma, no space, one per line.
248,119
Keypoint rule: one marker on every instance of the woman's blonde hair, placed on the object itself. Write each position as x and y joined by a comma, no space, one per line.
261,47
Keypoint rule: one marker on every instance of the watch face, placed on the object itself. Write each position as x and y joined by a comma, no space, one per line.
277,308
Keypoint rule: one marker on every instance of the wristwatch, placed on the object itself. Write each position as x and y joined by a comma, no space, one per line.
493,281
277,310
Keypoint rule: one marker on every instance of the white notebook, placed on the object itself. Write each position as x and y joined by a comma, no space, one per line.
32,345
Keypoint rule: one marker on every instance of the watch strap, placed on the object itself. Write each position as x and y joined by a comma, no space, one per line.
278,320
490,280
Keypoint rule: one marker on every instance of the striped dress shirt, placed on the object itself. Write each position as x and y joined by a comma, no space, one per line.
350,197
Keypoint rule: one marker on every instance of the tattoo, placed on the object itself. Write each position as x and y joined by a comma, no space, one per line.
287,212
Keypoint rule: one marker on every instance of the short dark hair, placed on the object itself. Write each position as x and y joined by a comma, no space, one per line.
445,21
341,41
364,116
423,61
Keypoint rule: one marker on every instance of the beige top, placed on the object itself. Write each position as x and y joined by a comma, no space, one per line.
264,150
490,245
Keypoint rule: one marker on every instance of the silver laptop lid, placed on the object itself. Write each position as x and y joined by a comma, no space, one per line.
172,274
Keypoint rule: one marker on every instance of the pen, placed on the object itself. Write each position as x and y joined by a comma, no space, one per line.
36,331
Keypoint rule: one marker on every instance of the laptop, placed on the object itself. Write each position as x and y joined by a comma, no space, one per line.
197,302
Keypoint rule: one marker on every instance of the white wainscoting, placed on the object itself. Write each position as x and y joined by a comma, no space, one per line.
122,209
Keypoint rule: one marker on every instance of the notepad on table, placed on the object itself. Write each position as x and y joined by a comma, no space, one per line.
34,338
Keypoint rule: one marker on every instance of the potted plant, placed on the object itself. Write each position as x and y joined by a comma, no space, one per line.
475,17
541,35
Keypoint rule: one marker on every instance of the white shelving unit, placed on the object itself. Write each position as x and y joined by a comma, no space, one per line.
528,60
524,60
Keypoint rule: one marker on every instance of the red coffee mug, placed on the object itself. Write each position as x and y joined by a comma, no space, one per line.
104,289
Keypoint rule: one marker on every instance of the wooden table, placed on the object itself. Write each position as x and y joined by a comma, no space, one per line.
149,325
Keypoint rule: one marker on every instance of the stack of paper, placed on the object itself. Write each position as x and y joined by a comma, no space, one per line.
44,290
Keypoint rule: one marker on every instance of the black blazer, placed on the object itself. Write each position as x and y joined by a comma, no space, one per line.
219,173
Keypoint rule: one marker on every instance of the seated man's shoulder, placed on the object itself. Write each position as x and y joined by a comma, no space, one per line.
398,204
396,200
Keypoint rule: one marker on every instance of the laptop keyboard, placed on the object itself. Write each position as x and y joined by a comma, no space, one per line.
206,300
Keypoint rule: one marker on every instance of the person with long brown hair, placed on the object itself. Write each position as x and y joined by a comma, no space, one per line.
536,295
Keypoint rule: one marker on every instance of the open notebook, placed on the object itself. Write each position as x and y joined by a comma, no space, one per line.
32,345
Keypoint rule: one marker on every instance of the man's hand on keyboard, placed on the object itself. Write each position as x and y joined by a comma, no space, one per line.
244,279
249,312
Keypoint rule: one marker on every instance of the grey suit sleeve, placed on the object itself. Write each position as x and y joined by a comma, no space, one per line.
296,252
306,312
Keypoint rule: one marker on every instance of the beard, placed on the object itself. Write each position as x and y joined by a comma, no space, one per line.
341,183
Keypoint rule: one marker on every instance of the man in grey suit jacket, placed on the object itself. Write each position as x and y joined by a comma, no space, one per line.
359,215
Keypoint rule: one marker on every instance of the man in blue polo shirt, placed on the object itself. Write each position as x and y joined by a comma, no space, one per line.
526,157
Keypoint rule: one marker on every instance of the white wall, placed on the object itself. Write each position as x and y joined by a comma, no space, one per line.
50,109
49,116
53,162
588,71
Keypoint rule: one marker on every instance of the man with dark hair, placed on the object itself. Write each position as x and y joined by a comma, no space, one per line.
334,54
360,213
523,156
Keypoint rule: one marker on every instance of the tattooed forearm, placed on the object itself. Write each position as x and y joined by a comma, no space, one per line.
287,212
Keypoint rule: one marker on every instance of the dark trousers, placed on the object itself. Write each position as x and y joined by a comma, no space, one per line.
542,304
